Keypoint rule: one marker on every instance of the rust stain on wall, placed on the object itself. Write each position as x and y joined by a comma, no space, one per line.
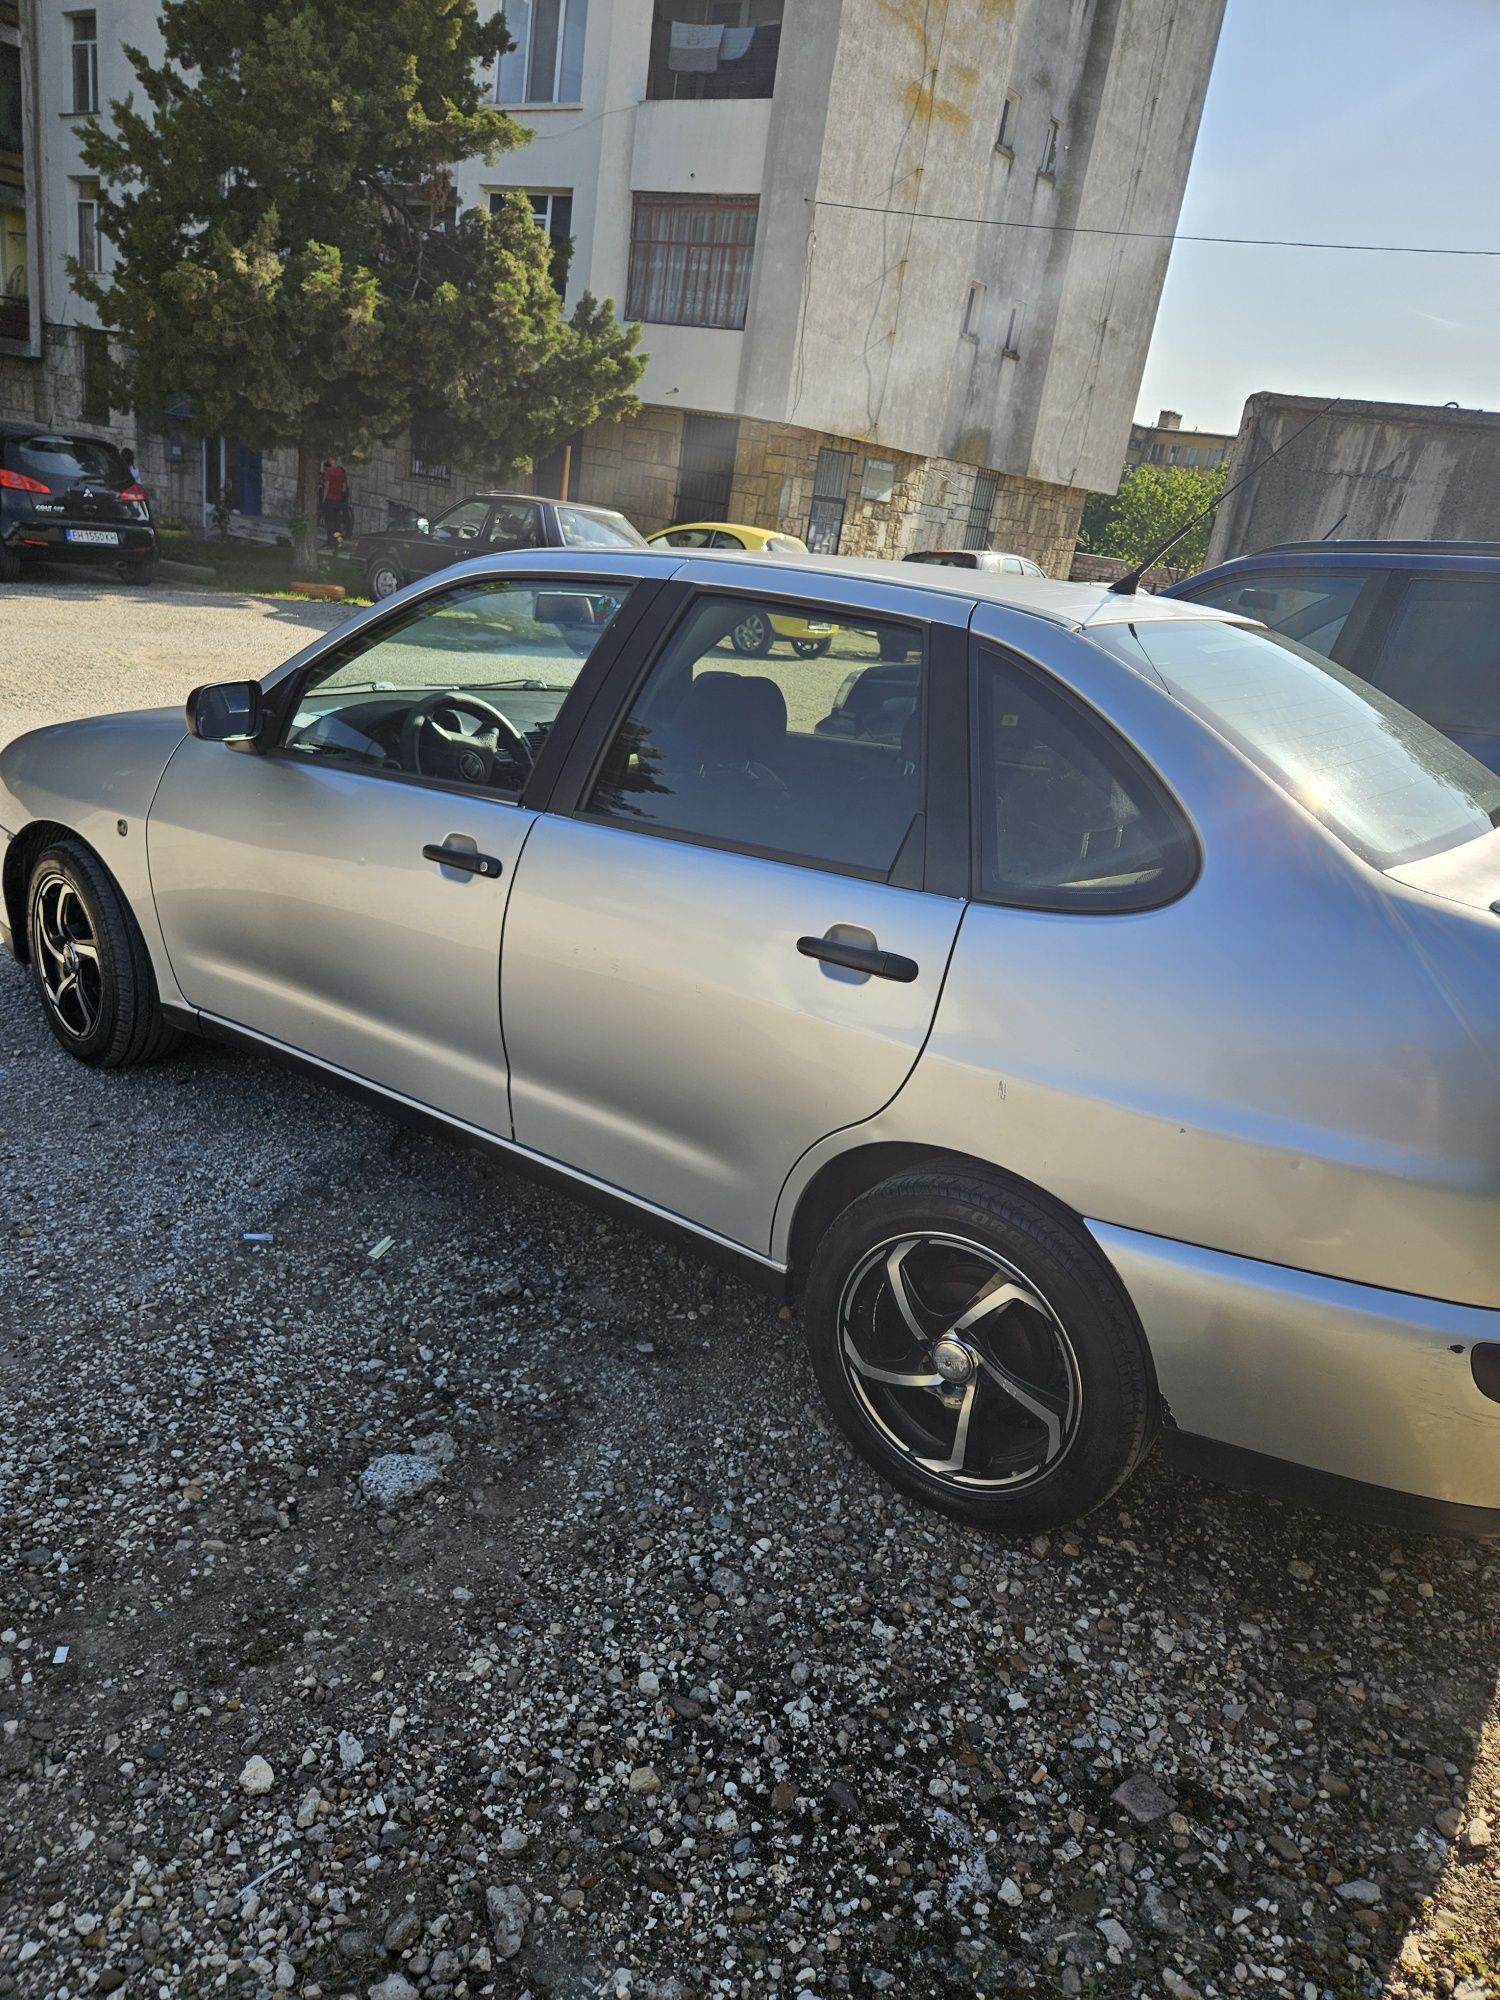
924,103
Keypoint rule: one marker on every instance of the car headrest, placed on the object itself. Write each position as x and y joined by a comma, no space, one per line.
733,718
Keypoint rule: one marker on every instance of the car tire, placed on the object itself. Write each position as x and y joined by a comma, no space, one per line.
141,572
753,634
100,998
810,649
1020,1418
10,565
384,577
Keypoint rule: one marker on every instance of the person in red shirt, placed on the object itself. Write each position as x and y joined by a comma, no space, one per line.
334,507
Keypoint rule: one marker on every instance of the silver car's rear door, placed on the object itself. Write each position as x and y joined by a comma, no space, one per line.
729,936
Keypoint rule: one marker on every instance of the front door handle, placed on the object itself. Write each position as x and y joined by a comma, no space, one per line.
859,958
461,857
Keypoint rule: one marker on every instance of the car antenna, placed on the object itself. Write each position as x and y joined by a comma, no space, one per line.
1336,526
1128,584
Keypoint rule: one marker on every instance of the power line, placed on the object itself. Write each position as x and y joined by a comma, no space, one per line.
1154,235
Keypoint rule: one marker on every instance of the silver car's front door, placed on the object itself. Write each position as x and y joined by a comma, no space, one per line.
296,901
344,893
728,952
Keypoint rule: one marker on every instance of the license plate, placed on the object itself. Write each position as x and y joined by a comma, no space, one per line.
99,537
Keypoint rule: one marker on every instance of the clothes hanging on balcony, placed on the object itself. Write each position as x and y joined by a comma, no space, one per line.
735,44
694,47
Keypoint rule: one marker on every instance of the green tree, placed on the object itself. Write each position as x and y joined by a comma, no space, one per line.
288,255
1152,503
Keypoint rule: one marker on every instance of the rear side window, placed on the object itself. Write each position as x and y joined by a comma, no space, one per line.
1442,658
1311,607
1067,816
60,462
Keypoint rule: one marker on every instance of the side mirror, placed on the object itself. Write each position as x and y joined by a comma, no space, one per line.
225,712
422,525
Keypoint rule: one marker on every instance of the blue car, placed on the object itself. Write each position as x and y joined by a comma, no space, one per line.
1418,620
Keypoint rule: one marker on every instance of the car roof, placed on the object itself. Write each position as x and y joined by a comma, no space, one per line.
584,506
1391,555
1075,605
724,527
9,427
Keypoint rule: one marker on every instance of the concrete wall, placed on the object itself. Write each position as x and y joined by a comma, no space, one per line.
1394,470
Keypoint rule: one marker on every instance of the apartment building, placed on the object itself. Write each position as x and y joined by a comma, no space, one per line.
897,261
1166,443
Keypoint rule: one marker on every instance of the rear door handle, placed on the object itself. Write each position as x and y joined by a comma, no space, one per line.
860,958
461,857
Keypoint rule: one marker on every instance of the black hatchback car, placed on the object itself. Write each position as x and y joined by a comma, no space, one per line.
483,525
1418,620
67,497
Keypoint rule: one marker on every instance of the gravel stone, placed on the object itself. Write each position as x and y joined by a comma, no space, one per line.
257,1777
398,1476
1143,1799
509,1913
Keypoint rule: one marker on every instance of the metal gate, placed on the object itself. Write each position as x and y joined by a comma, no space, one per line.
825,519
705,470
981,506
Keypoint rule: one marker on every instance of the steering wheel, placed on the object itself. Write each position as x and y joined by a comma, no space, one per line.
432,749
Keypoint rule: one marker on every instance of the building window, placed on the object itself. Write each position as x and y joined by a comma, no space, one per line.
690,258
553,215
87,233
425,463
85,61
877,480
1049,151
825,519
973,306
1012,347
94,345
1010,111
714,48
981,506
546,64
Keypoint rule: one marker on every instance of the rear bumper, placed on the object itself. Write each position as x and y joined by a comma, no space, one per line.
47,541
1368,1388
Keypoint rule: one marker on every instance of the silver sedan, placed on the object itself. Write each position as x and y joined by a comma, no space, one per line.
1086,1008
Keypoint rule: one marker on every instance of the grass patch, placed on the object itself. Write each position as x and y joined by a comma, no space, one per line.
259,568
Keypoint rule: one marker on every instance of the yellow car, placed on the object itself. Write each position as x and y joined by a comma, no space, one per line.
756,632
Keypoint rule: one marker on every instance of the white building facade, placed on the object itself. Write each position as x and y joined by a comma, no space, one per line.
896,261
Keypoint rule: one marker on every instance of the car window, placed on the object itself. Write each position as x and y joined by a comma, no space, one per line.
738,737
462,687
1311,607
515,524
60,462
1442,658
686,538
583,530
1012,565
463,523
785,545
1066,815
723,541
948,558
1376,775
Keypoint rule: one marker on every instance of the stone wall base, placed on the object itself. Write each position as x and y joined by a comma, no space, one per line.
896,502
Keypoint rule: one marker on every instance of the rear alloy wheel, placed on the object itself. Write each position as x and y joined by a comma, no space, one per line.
753,634
10,565
977,1351
385,579
89,962
811,649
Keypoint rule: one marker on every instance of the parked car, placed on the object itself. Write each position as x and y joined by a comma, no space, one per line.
1114,1050
993,560
1419,620
757,633
67,497
485,524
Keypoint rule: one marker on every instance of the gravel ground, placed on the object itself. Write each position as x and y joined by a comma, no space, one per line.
634,1681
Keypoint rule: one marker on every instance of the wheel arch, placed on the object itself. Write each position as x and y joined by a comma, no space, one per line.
19,856
853,1173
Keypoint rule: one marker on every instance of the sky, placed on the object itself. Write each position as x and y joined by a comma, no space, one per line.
1369,121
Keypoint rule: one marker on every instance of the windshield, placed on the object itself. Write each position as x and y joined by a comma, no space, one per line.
65,461
582,528
1389,786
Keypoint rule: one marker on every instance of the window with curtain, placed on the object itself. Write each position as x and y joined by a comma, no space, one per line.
690,258
546,64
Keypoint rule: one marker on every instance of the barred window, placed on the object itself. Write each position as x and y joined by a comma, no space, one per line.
690,258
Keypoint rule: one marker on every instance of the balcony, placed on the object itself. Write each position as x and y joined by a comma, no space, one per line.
697,53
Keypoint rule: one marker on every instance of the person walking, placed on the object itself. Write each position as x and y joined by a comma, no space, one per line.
333,505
